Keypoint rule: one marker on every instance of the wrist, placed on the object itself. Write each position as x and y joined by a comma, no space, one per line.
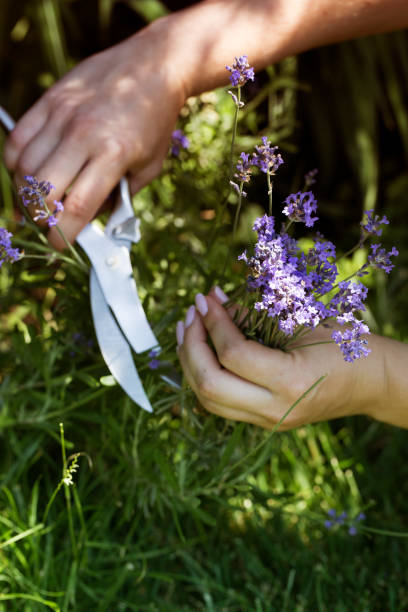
391,405
153,48
202,39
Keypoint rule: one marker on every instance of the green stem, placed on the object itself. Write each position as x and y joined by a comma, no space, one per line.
234,229
311,344
269,182
234,134
352,250
67,243
224,204
36,257
67,494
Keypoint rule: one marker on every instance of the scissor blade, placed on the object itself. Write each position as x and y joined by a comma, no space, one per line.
6,121
111,263
114,348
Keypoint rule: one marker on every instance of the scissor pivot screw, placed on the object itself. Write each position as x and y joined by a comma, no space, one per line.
111,261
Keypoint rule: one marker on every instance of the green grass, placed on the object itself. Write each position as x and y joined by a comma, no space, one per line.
183,511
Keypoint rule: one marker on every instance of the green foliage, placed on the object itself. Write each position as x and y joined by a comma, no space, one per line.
181,510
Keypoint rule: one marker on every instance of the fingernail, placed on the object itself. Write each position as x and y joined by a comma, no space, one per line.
221,296
201,304
180,332
189,317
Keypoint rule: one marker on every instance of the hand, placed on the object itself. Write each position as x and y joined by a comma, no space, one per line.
113,113
246,381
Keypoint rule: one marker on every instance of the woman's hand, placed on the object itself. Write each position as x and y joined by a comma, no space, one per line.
245,381
113,113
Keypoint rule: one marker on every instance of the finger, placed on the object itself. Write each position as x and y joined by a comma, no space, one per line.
246,358
26,128
233,309
144,176
90,190
212,382
219,409
34,155
62,165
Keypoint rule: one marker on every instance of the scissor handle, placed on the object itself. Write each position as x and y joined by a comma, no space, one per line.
123,208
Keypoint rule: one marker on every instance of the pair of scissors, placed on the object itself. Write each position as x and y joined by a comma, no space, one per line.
119,319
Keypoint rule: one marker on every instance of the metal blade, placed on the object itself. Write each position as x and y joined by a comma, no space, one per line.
114,347
6,121
113,268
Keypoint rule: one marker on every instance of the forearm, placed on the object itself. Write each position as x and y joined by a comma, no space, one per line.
393,405
206,37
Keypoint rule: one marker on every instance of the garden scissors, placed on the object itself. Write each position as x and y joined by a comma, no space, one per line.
119,319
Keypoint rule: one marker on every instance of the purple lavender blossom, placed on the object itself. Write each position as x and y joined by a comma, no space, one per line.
340,519
323,272
351,341
52,219
265,157
241,71
243,173
380,259
310,178
178,141
7,252
34,193
154,363
278,273
371,226
300,206
81,344
350,297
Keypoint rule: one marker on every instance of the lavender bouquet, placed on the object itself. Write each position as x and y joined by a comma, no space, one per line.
290,291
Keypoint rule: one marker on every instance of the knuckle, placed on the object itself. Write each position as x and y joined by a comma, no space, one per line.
25,164
16,139
13,147
61,111
228,355
116,149
77,206
78,128
206,387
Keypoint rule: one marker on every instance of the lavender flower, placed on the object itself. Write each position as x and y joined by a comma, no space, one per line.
154,363
278,274
289,284
350,297
34,193
351,341
265,157
310,178
380,259
178,141
243,173
243,167
241,71
323,272
7,252
300,206
371,226
340,519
